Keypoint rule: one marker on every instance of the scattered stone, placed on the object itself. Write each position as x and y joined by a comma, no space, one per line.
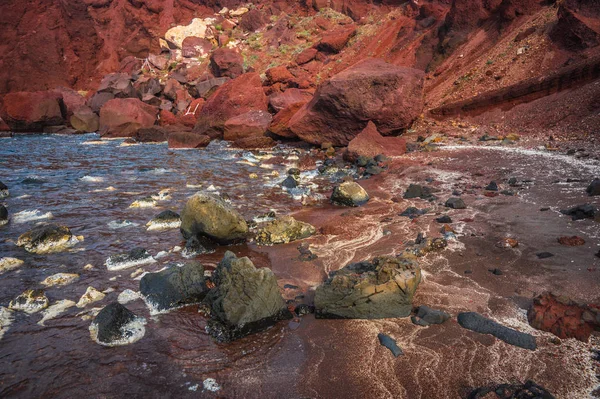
349,293
412,213
283,230
135,257
30,301
455,203
164,221
290,182
306,255
390,343
418,191
493,186
7,264
507,243
446,229
544,255
496,272
54,310
529,390
563,317
245,299
146,202
426,316
444,219
91,295
594,188
47,238
116,325
209,216
476,322
349,194
60,279
572,241
174,287
544,209
585,211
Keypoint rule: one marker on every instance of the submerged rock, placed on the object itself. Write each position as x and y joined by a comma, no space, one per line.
7,264
209,216
444,219
116,325
146,202
60,279
390,343
245,299
529,390
174,287
197,246
426,316
47,238
476,322
283,230
91,295
349,194
455,203
593,189
164,221
3,215
290,182
135,257
585,211
378,289
4,193
30,301
412,213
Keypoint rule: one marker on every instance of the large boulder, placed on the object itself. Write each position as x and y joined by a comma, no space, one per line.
197,28
336,40
279,101
116,325
233,98
252,123
594,188
118,84
206,215
283,230
122,117
97,101
32,111
382,288
187,140
245,299
152,134
71,98
47,238
388,95
369,143
174,287
281,121
85,120
226,62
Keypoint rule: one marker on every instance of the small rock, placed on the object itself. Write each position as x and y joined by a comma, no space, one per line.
91,295
593,189
146,202
164,221
493,186
455,203
60,279
426,316
135,257
7,264
304,309
444,219
417,191
496,272
3,191
544,255
390,343
349,194
476,322
54,310
283,230
3,215
290,182
116,325
572,241
507,243
585,211
48,238
413,213
30,301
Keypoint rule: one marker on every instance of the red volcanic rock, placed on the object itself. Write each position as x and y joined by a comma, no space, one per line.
146,85
171,88
335,41
119,84
572,241
254,142
166,118
152,134
3,126
160,61
71,99
578,25
193,46
97,101
253,20
281,120
370,143
31,111
85,120
187,140
388,95
279,101
563,317
122,117
130,64
233,98
226,62
182,100
278,74
252,123
306,56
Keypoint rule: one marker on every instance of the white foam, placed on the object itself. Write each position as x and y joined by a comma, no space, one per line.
143,203
130,332
55,309
114,266
6,319
210,384
152,225
92,179
119,224
30,216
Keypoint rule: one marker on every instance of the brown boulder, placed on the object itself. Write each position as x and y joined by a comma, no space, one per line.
278,74
335,41
181,140
97,101
160,61
152,134
31,111
71,98
306,56
578,25
388,95
281,120
206,87
122,117
193,46
252,123
370,143
226,62
235,97
279,101
253,20
119,84
171,88
166,118
85,120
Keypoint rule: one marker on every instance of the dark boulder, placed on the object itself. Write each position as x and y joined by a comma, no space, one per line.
3,215
226,62
585,211
135,257
390,343
245,299
116,325
417,191
152,134
412,213
476,322
48,238
594,188
174,287
426,316
455,203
